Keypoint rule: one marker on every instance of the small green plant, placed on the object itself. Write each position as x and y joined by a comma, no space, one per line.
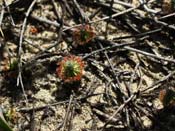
3,124
12,115
14,64
70,68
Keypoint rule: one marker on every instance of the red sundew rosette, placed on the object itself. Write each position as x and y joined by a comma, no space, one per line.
74,63
83,34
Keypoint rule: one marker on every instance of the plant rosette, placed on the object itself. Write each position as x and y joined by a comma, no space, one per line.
83,34
70,69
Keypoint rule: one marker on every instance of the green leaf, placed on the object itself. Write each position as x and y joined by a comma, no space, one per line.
3,124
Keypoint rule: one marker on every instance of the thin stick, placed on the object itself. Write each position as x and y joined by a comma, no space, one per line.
2,15
146,7
45,20
55,10
82,14
118,110
106,116
115,15
164,24
112,67
107,23
152,87
107,17
148,54
25,110
166,16
8,9
1,18
67,113
123,3
19,78
107,48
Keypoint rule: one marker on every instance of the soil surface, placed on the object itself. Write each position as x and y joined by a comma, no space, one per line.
128,61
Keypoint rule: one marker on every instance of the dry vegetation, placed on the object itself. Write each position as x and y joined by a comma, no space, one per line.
129,59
